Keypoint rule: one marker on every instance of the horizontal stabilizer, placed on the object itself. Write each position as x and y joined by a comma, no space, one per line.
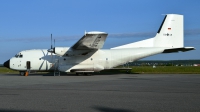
183,49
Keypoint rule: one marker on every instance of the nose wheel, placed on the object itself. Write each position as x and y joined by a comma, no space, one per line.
22,73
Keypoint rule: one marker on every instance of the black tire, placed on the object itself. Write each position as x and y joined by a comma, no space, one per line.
78,74
22,73
128,72
87,74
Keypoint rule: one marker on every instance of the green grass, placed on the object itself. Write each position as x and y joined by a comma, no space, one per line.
157,70
167,69
6,70
140,70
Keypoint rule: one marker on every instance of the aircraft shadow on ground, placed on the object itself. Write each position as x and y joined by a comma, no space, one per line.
108,109
13,110
104,72
95,73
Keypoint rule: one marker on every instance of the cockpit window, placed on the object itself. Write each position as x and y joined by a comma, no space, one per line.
19,55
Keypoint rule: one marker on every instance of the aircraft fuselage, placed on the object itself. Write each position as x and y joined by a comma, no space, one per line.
42,60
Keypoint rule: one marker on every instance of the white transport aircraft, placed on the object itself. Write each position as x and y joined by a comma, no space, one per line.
86,56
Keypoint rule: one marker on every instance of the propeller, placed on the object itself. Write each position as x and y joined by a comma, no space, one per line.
52,50
44,60
54,42
51,45
51,41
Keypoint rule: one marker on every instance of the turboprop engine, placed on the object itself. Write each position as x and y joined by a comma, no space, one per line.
67,51
59,50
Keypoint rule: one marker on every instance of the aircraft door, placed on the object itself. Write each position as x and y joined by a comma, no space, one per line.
28,65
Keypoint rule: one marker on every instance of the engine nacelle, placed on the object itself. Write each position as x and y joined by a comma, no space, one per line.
67,51
60,50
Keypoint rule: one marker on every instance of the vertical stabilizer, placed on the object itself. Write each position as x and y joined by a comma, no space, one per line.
170,33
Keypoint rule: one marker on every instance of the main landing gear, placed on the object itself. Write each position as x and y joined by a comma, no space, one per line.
85,74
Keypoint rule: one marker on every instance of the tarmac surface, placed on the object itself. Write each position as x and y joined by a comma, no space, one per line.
100,93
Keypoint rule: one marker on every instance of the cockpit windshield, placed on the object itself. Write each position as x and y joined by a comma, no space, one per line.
19,55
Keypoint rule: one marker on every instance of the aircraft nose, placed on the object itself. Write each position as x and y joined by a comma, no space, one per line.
7,64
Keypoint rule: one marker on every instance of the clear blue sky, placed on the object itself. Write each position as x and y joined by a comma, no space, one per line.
27,24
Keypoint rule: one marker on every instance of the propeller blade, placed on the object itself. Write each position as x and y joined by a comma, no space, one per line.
51,46
54,43
51,41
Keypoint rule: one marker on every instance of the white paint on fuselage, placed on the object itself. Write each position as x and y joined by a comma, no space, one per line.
41,60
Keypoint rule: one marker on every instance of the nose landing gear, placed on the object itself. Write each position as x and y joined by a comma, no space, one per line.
22,73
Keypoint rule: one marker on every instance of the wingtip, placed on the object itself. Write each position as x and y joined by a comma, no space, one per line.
96,32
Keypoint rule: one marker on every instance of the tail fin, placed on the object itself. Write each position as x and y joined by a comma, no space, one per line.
170,33
169,36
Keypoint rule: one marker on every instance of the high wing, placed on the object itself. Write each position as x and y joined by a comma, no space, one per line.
91,41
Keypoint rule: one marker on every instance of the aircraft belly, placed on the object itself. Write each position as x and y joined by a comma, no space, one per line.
90,62
80,67
106,59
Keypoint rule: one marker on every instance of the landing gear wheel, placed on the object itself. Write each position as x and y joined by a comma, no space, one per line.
128,71
22,73
78,74
87,74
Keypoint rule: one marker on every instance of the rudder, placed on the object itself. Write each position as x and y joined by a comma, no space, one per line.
170,33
